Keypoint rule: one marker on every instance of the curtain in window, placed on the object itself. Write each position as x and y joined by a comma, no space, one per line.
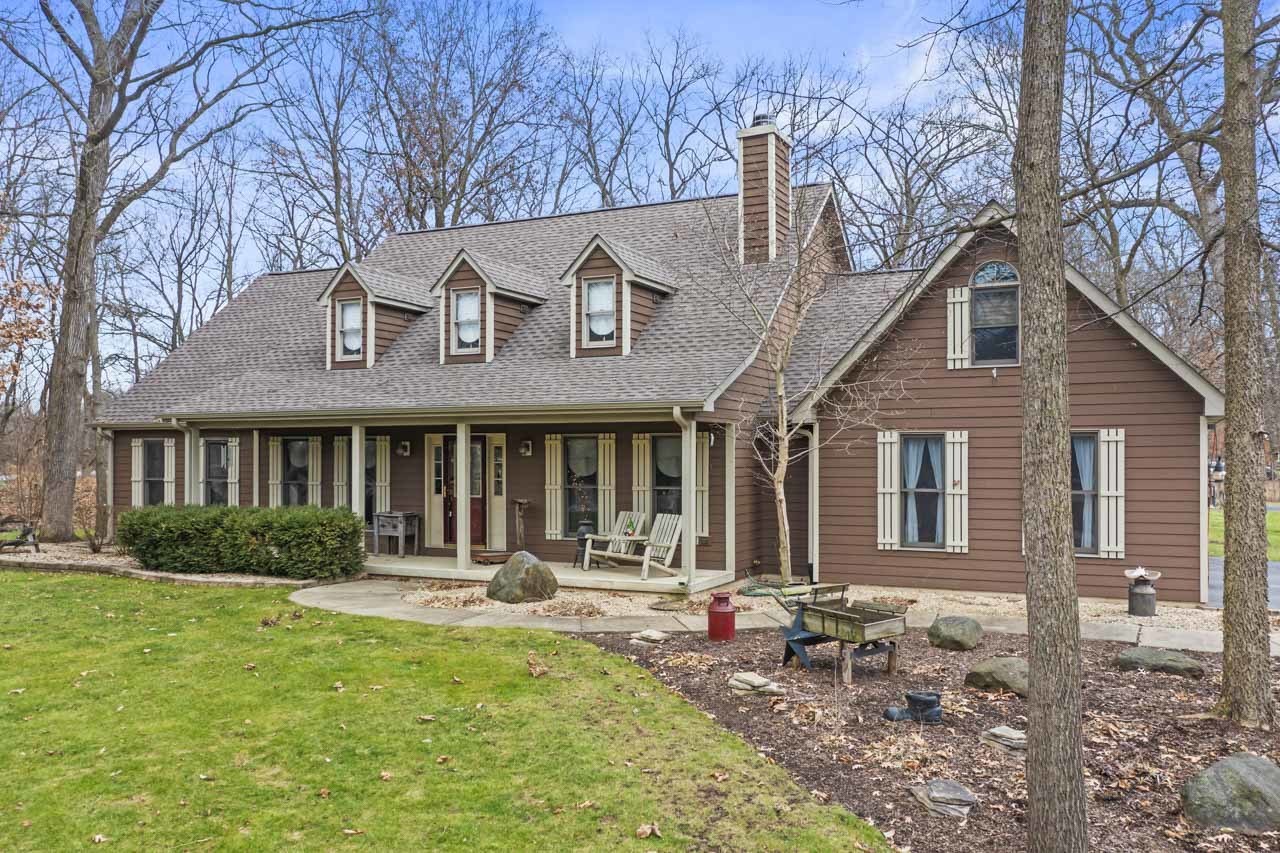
467,322
922,469
913,461
1083,450
600,310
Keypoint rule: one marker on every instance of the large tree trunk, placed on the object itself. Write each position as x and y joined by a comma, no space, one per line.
64,413
1056,819
1246,666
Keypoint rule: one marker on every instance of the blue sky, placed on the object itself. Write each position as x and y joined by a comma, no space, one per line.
866,34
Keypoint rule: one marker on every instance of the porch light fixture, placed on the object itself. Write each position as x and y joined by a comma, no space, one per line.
526,447
404,448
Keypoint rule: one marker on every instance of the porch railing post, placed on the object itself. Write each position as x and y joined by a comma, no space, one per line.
730,497
689,498
355,482
462,495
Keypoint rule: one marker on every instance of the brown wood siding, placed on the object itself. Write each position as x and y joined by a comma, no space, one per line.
644,305
348,288
463,278
755,198
782,189
1114,383
389,323
598,265
507,316
122,465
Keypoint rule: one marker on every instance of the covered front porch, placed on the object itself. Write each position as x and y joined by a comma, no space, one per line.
567,574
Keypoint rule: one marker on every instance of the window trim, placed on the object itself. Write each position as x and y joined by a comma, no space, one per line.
454,348
338,354
1096,492
161,479
903,491
1016,287
226,478
594,438
585,315
284,467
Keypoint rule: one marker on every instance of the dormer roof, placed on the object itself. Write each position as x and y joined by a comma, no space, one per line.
382,285
637,267
503,278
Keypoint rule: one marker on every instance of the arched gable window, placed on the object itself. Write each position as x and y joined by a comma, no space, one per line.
995,314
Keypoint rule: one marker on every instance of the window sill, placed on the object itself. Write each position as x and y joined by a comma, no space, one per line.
973,365
348,359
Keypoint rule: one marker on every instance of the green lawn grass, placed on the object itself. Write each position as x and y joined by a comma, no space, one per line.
1216,536
163,717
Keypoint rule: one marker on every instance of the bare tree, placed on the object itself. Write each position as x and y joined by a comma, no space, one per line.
601,114
130,120
1056,819
1246,663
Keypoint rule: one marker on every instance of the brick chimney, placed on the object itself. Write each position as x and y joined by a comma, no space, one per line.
764,190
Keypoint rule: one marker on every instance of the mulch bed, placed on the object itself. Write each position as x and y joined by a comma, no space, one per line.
1140,744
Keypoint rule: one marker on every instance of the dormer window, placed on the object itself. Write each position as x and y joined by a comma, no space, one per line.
599,320
350,343
466,322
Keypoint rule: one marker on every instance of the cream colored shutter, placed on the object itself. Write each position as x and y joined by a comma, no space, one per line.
957,491
170,469
233,471
341,471
888,491
554,509
958,327
135,472
641,496
702,484
382,475
1111,494
315,447
275,464
606,482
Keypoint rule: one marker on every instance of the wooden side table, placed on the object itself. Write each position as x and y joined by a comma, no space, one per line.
401,525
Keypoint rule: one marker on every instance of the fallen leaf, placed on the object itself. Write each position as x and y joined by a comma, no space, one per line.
457,680
324,793
100,839
444,759
377,687
536,668
337,685
206,778
353,832
250,667
719,777
648,830
426,718
385,776
586,804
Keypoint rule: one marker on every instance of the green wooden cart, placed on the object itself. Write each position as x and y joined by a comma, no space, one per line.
821,614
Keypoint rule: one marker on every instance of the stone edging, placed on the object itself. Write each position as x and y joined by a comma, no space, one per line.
382,598
246,582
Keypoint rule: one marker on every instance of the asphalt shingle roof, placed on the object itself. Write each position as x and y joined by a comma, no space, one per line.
511,278
265,351
386,284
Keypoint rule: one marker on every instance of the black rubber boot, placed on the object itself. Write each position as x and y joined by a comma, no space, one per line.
925,706
895,714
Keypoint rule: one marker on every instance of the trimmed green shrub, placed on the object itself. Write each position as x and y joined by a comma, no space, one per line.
296,542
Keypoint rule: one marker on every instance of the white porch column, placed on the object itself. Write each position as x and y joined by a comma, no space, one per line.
193,459
814,508
689,498
257,480
356,480
462,494
730,497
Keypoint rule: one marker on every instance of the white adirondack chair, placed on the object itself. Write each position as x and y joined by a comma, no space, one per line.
628,528
659,548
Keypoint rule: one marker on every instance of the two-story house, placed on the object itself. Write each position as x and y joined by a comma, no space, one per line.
518,378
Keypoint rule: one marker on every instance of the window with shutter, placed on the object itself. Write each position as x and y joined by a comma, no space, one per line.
702,484
170,470
275,471
957,492
607,457
314,449
341,471
233,471
1111,494
382,474
641,497
136,466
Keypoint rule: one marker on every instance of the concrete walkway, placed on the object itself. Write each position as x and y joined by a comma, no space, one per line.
1215,582
383,598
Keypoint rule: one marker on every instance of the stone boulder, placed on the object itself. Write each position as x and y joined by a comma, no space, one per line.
1159,660
1003,673
1241,792
523,578
957,633
945,798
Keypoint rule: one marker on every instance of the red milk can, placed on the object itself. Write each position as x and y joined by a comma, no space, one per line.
720,617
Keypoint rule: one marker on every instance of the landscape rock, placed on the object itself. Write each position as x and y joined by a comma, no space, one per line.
523,578
1159,660
1001,673
751,682
1006,738
652,636
957,633
1240,792
945,798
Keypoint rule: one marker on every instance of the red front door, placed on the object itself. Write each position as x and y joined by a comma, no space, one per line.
477,489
